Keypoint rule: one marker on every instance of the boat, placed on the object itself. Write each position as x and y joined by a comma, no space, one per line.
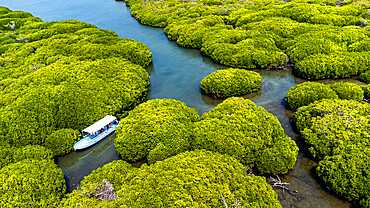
96,132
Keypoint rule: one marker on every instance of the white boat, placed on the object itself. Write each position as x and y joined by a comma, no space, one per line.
96,132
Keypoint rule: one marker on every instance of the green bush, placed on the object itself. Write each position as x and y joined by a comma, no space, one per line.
366,77
249,133
61,96
333,65
348,91
323,41
62,141
10,155
348,174
117,173
197,179
31,183
231,82
366,89
190,179
156,129
54,75
329,126
307,93
337,132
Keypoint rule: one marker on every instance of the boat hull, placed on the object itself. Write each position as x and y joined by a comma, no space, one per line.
87,142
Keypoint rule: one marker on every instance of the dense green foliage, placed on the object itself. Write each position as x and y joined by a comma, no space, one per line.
348,91
231,82
366,77
331,125
66,74
117,173
323,39
156,129
197,179
239,128
62,140
338,133
366,89
10,155
347,174
31,183
189,179
308,92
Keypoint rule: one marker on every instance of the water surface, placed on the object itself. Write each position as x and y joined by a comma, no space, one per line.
176,73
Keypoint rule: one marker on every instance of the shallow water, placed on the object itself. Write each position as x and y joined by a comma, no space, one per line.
176,73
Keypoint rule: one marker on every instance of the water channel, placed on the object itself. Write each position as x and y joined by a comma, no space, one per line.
176,73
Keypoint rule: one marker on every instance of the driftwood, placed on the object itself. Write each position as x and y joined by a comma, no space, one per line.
235,205
103,192
278,183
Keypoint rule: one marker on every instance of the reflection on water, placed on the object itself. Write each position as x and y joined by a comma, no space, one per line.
176,73
78,164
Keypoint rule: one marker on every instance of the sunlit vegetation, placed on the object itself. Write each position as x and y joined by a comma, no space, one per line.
366,77
323,39
31,183
117,173
348,91
337,132
156,130
231,82
308,92
10,155
366,89
64,75
189,179
249,133
62,140
57,78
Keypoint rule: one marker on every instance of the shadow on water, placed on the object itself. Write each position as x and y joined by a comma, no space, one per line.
176,73
78,164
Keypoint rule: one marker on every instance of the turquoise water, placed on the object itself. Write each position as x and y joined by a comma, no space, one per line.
176,73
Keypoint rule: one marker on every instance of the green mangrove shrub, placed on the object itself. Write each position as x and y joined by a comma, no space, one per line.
366,89
333,65
347,174
231,82
69,94
10,154
249,133
308,92
190,179
156,129
31,183
62,141
116,173
348,91
197,179
366,77
66,74
337,132
322,40
329,126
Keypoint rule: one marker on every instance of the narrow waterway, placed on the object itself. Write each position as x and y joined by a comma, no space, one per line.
176,73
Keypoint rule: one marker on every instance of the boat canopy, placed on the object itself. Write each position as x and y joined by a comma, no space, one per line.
99,124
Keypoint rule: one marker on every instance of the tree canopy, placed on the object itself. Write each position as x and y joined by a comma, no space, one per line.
155,129
323,39
231,82
249,133
337,132
64,75
190,179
